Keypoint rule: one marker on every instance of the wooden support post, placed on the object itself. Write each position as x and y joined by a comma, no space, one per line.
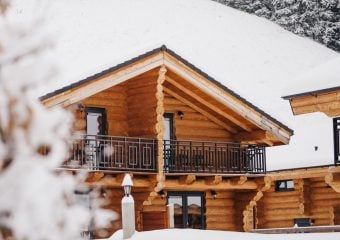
160,135
248,213
333,180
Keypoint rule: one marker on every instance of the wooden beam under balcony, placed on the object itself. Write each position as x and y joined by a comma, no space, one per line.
111,181
187,179
214,180
205,184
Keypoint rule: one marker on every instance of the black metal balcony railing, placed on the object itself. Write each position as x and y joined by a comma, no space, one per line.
98,152
211,157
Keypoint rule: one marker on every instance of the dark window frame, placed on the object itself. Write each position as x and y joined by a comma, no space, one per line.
185,195
285,188
171,117
336,135
303,222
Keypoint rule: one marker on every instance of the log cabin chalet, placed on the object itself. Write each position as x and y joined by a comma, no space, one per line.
187,140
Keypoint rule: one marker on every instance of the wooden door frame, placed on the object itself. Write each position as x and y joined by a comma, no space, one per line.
172,122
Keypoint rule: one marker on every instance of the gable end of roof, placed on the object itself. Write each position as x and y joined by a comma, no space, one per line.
163,48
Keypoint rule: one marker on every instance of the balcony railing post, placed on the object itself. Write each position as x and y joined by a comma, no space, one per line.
190,157
216,159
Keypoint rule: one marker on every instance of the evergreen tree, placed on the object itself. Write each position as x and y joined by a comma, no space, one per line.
317,19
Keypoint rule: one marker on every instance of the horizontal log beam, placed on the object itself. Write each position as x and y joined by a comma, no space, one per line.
203,185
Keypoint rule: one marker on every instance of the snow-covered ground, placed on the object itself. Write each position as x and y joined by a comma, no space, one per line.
252,56
188,234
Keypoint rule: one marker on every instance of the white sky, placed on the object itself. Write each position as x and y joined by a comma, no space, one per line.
252,56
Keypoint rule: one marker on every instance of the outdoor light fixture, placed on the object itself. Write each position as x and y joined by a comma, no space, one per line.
127,184
180,114
162,194
213,194
81,107
103,193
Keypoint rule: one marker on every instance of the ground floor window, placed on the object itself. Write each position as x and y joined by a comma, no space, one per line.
284,185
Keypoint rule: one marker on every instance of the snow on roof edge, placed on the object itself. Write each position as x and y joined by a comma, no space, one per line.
325,90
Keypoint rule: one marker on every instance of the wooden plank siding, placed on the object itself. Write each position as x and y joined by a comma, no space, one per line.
130,108
220,211
114,101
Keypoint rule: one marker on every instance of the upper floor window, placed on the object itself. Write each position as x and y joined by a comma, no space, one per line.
284,185
95,121
336,132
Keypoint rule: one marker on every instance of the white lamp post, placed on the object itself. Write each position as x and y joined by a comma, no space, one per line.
128,208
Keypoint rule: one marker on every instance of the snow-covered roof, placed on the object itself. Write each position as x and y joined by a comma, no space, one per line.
250,55
325,77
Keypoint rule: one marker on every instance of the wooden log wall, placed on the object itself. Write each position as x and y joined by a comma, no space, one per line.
114,101
278,209
141,101
323,202
311,198
242,200
194,125
154,215
130,108
220,212
79,124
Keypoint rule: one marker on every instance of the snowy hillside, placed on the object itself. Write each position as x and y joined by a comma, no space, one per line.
252,56
319,20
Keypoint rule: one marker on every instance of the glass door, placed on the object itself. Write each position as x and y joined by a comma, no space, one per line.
189,209
95,126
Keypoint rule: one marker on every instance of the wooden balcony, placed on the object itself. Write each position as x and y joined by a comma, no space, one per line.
99,152
212,157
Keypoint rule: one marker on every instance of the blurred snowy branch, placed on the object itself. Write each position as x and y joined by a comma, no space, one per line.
36,201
